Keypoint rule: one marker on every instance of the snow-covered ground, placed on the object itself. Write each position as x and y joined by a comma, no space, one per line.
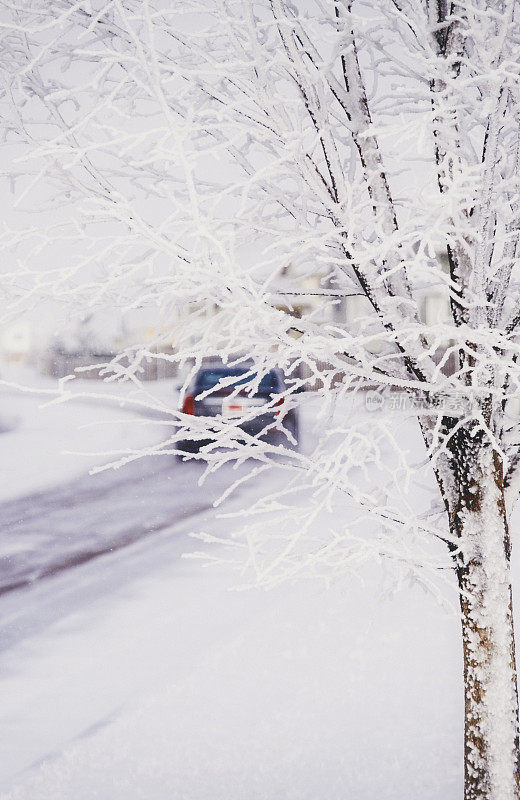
49,442
138,674
151,680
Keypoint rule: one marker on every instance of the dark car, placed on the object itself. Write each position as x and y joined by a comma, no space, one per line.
224,397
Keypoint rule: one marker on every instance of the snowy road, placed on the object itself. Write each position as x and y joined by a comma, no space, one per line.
143,513
142,658
58,528
129,672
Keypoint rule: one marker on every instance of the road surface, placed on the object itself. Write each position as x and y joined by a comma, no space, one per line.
52,530
78,640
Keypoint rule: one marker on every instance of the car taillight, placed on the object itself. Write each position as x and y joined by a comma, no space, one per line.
279,403
188,407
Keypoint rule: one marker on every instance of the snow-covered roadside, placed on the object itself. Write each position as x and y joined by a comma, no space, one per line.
161,684
139,675
47,443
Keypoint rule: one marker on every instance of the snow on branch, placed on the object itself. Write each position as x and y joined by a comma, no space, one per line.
301,185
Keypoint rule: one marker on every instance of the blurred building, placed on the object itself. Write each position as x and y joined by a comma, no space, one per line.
16,342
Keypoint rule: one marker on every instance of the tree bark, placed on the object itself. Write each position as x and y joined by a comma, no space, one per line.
491,739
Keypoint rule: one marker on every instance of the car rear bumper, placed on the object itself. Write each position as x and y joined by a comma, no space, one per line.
261,426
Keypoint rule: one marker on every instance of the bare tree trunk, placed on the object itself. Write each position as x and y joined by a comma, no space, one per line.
491,742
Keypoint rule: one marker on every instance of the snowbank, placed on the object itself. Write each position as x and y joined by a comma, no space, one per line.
185,690
49,443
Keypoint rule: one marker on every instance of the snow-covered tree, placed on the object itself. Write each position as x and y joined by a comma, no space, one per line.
219,159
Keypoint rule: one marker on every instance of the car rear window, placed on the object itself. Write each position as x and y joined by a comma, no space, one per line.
208,378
